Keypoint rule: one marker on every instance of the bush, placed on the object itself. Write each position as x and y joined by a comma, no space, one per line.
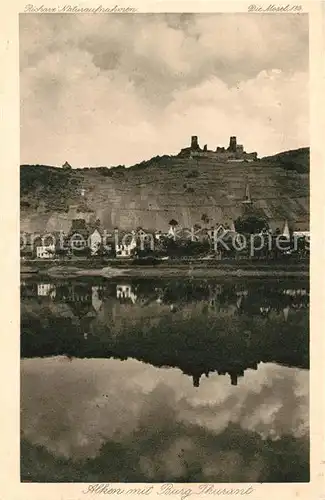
250,224
193,174
146,261
106,172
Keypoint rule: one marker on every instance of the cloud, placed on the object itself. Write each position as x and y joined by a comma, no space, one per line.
78,410
103,90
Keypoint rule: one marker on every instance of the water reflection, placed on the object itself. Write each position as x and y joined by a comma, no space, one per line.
109,420
210,381
199,327
270,294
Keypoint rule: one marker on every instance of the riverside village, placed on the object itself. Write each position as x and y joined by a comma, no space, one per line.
165,254
251,236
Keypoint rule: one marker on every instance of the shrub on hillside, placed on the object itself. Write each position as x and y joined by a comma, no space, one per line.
193,174
106,172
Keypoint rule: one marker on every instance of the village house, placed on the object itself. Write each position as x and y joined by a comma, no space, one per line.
126,248
46,290
301,229
45,251
84,234
158,235
172,232
95,299
48,245
95,241
78,235
125,292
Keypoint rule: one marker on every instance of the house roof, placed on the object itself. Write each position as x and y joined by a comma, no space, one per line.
85,228
301,226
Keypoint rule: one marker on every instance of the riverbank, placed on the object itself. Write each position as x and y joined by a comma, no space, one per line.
170,269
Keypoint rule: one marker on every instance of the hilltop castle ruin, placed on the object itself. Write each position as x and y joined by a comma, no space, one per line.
234,152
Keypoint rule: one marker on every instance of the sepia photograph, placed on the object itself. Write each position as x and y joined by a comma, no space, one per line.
164,248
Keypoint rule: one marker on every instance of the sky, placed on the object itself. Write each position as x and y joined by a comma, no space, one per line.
110,89
158,421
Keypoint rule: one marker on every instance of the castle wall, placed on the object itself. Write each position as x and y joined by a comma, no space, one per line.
224,156
235,152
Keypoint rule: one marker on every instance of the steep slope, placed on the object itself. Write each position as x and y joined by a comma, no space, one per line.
152,193
297,159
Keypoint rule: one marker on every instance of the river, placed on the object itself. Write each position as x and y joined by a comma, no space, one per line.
155,380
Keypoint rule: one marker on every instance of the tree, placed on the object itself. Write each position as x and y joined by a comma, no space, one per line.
61,252
173,223
250,224
83,252
205,219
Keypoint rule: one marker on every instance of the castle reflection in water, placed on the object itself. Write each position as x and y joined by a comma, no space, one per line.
197,325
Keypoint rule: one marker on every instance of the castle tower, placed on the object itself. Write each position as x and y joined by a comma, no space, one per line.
194,142
233,378
233,144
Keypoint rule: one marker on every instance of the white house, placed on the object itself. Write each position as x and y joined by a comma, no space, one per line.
301,234
124,249
286,313
95,300
94,242
45,251
172,232
46,290
125,292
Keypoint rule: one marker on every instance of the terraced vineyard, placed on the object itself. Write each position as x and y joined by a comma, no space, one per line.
154,192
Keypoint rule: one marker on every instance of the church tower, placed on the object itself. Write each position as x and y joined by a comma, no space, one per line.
247,198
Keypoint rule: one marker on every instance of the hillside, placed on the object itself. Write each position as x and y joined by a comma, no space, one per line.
297,159
153,192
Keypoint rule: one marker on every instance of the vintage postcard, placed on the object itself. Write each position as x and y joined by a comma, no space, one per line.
163,169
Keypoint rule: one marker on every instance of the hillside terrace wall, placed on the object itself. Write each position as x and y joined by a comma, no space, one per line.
150,198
